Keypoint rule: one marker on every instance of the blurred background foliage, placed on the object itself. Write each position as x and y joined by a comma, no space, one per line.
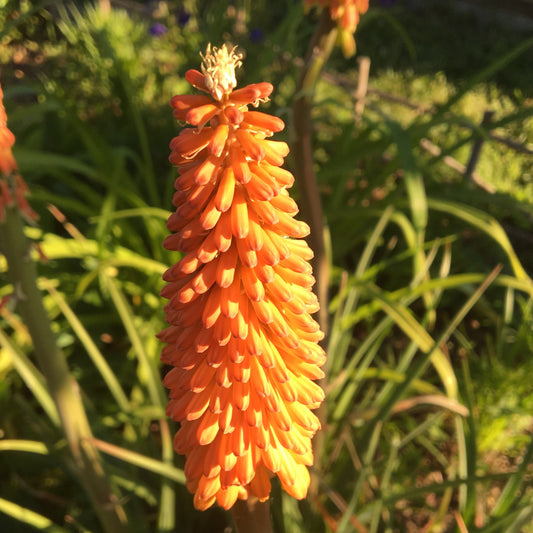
428,423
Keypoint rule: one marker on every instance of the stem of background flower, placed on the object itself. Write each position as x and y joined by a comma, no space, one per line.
251,516
320,48
63,388
319,51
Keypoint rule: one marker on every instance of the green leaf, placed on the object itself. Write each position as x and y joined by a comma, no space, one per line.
136,459
417,367
404,319
30,446
27,516
94,353
151,373
33,379
30,160
488,225
414,182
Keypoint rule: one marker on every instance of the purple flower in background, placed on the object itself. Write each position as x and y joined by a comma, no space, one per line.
158,29
183,17
257,36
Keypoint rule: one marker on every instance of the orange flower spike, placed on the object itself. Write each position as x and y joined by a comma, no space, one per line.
8,164
13,189
241,338
347,14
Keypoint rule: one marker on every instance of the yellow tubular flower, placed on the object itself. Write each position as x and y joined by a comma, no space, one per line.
241,339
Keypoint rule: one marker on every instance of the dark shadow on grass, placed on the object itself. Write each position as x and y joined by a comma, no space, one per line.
448,36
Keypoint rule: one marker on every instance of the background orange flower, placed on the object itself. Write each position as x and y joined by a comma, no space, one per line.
7,139
13,190
347,14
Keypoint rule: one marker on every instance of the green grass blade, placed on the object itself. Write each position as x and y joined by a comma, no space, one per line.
511,522
147,463
523,518
390,465
126,258
458,281
156,212
56,247
30,446
33,379
467,440
414,183
344,523
487,224
421,428
153,381
340,336
292,517
29,160
29,517
133,487
167,506
157,396
343,393
417,367
416,332
373,242
508,495
94,353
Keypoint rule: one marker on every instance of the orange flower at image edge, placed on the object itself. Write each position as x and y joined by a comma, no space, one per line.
241,339
12,187
7,140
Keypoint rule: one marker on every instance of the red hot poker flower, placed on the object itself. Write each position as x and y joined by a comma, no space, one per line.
13,190
347,14
7,140
241,339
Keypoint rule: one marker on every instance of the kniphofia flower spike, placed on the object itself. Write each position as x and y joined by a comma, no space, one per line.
241,339
347,14
13,190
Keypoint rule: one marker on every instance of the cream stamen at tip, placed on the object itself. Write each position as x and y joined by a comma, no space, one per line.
219,69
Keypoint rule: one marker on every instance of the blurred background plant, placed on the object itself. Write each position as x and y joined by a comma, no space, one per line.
428,422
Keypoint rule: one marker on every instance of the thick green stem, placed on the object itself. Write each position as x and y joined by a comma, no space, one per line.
320,48
251,516
22,274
